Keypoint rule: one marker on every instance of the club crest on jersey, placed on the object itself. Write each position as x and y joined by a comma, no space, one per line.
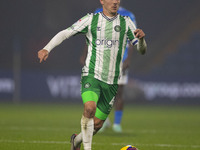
87,85
117,28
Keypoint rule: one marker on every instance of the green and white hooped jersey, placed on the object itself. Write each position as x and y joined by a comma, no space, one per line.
106,39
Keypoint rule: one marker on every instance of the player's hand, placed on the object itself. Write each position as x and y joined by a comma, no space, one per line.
43,55
139,33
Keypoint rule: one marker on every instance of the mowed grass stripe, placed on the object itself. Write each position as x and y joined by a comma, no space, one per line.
49,127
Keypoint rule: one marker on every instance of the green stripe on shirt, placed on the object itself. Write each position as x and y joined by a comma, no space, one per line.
106,54
119,55
94,37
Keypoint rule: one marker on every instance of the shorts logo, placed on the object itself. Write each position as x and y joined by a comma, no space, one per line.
117,28
87,85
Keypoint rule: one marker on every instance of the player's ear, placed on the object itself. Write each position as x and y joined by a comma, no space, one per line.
101,1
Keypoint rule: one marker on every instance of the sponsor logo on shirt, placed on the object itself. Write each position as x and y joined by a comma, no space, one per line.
107,43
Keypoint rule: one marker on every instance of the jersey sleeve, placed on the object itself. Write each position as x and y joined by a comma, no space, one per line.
132,16
81,26
130,33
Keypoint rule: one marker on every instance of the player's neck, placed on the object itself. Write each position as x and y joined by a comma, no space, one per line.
108,14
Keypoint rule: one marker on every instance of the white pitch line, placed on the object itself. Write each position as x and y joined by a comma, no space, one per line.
66,142
34,142
160,145
15,128
171,145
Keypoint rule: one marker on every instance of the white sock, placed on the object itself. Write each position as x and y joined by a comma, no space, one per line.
78,139
87,128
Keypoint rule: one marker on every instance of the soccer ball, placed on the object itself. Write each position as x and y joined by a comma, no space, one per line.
129,147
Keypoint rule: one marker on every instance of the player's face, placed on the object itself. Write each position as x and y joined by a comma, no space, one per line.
110,7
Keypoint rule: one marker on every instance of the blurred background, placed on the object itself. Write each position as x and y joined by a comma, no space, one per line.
168,73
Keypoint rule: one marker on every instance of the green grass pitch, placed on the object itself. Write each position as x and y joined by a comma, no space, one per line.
49,127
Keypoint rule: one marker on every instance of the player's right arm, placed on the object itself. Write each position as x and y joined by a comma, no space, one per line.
79,27
43,55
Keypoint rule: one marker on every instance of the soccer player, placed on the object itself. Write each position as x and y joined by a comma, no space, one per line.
106,34
119,102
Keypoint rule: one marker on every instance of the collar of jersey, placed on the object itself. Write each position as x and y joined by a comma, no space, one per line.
109,19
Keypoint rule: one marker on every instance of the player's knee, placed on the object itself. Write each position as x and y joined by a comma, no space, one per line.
90,111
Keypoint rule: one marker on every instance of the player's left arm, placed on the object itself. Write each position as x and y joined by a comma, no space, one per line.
141,46
136,37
